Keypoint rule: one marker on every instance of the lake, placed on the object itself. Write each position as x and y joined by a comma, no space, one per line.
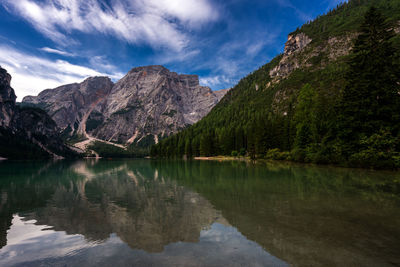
196,213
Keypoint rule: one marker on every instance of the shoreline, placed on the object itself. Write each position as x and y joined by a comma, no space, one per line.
290,162
222,158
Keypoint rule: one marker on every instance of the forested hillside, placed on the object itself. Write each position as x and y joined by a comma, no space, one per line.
331,97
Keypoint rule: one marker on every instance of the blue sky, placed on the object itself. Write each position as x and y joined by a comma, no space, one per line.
44,43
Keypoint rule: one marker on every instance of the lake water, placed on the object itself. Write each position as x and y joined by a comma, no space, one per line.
196,213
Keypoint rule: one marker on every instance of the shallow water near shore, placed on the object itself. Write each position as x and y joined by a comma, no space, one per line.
196,213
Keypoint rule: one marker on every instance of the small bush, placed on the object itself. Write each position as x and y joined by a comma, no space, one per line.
276,154
377,151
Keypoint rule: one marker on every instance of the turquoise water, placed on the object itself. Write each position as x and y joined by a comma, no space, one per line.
196,213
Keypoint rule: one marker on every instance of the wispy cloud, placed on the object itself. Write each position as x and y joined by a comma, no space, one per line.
56,51
235,59
300,14
31,74
216,80
159,23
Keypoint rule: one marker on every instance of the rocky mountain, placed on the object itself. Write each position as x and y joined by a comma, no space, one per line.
7,99
70,105
146,104
26,132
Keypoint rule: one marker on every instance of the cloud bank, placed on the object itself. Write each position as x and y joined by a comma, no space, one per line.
31,74
158,23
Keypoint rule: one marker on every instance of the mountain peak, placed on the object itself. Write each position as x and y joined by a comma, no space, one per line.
149,101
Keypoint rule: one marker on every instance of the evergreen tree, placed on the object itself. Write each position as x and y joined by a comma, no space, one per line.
188,148
370,100
305,117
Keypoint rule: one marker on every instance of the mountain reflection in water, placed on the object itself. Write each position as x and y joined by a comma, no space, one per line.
96,213
176,213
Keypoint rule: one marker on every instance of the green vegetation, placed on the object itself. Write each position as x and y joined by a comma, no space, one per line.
345,111
75,138
41,106
15,146
95,120
348,17
110,151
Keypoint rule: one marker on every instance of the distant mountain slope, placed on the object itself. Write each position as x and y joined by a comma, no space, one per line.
70,105
26,132
262,112
147,104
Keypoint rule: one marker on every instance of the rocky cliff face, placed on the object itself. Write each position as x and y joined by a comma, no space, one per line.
7,99
300,53
153,101
146,104
26,131
289,62
70,105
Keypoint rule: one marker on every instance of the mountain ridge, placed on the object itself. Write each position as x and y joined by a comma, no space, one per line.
147,104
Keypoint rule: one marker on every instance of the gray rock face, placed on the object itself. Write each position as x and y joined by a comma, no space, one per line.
7,99
296,43
148,102
70,105
289,63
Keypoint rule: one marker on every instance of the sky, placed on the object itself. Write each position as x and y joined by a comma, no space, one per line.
48,43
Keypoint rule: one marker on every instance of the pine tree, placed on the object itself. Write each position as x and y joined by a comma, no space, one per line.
188,148
305,117
370,101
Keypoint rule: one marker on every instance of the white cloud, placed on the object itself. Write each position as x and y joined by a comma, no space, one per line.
181,56
216,81
32,74
190,11
159,23
255,48
56,51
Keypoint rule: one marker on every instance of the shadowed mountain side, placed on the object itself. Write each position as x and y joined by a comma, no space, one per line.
26,132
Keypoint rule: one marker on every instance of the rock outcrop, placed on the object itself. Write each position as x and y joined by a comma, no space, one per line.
300,54
7,99
70,105
24,131
289,62
148,103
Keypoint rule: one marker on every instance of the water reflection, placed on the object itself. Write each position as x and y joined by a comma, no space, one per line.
102,213
146,213
307,216
141,213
